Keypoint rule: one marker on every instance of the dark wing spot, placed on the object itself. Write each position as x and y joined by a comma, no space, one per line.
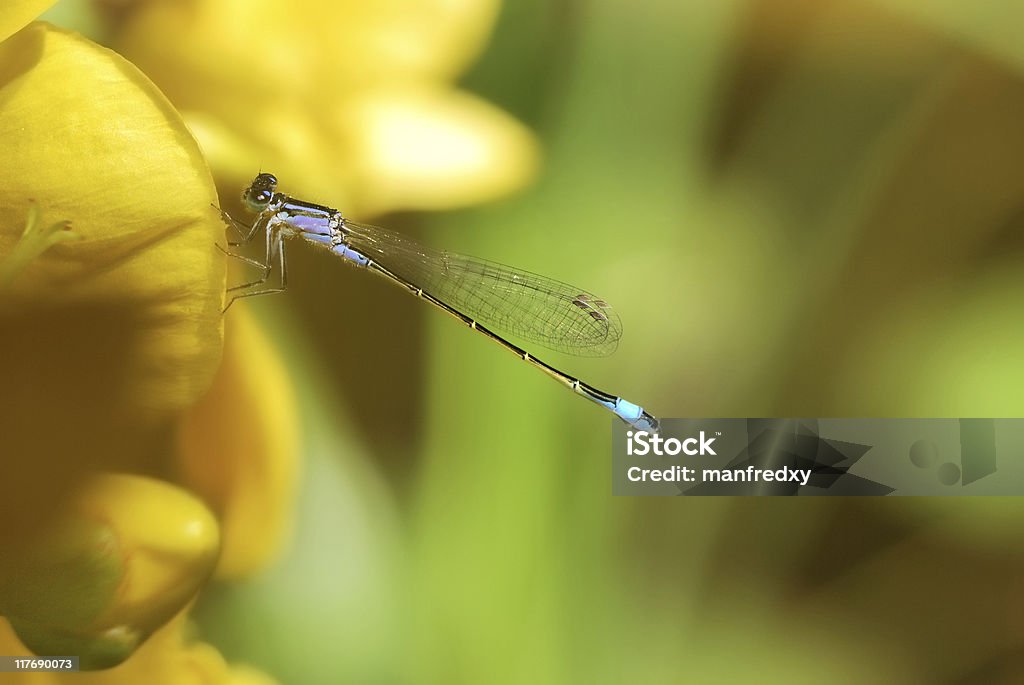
591,306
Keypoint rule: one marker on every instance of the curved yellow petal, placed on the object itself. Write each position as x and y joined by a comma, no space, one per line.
215,52
303,147
111,335
414,147
128,555
428,148
239,448
294,88
17,13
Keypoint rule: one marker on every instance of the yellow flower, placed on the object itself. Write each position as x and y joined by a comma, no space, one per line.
351,101
104,342
131,311
107,338
116,562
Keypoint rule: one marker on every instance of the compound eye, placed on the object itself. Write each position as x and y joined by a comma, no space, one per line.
256,199
260,192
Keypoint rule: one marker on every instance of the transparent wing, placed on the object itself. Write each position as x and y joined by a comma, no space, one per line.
550,313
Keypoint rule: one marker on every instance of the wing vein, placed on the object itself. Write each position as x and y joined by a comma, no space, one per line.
544,311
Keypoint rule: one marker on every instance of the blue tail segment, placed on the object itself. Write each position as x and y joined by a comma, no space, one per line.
635,416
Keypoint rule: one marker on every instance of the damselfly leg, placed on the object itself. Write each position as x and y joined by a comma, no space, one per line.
274,249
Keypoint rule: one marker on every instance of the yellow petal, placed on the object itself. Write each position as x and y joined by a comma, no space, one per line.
299,105
239,448
146,549
409,148
17,13
309,152
65,573
429,148
205,52
167,658
109,336
395,39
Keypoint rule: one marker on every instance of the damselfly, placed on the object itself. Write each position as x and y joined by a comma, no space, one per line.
483,295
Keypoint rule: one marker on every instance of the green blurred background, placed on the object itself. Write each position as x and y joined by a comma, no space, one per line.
799,208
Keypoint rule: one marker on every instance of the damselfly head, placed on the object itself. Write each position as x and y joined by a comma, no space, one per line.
259,193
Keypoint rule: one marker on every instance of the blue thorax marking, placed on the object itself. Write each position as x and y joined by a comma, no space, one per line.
310,224
321,225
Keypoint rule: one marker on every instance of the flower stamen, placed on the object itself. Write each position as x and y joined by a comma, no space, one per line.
34,241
